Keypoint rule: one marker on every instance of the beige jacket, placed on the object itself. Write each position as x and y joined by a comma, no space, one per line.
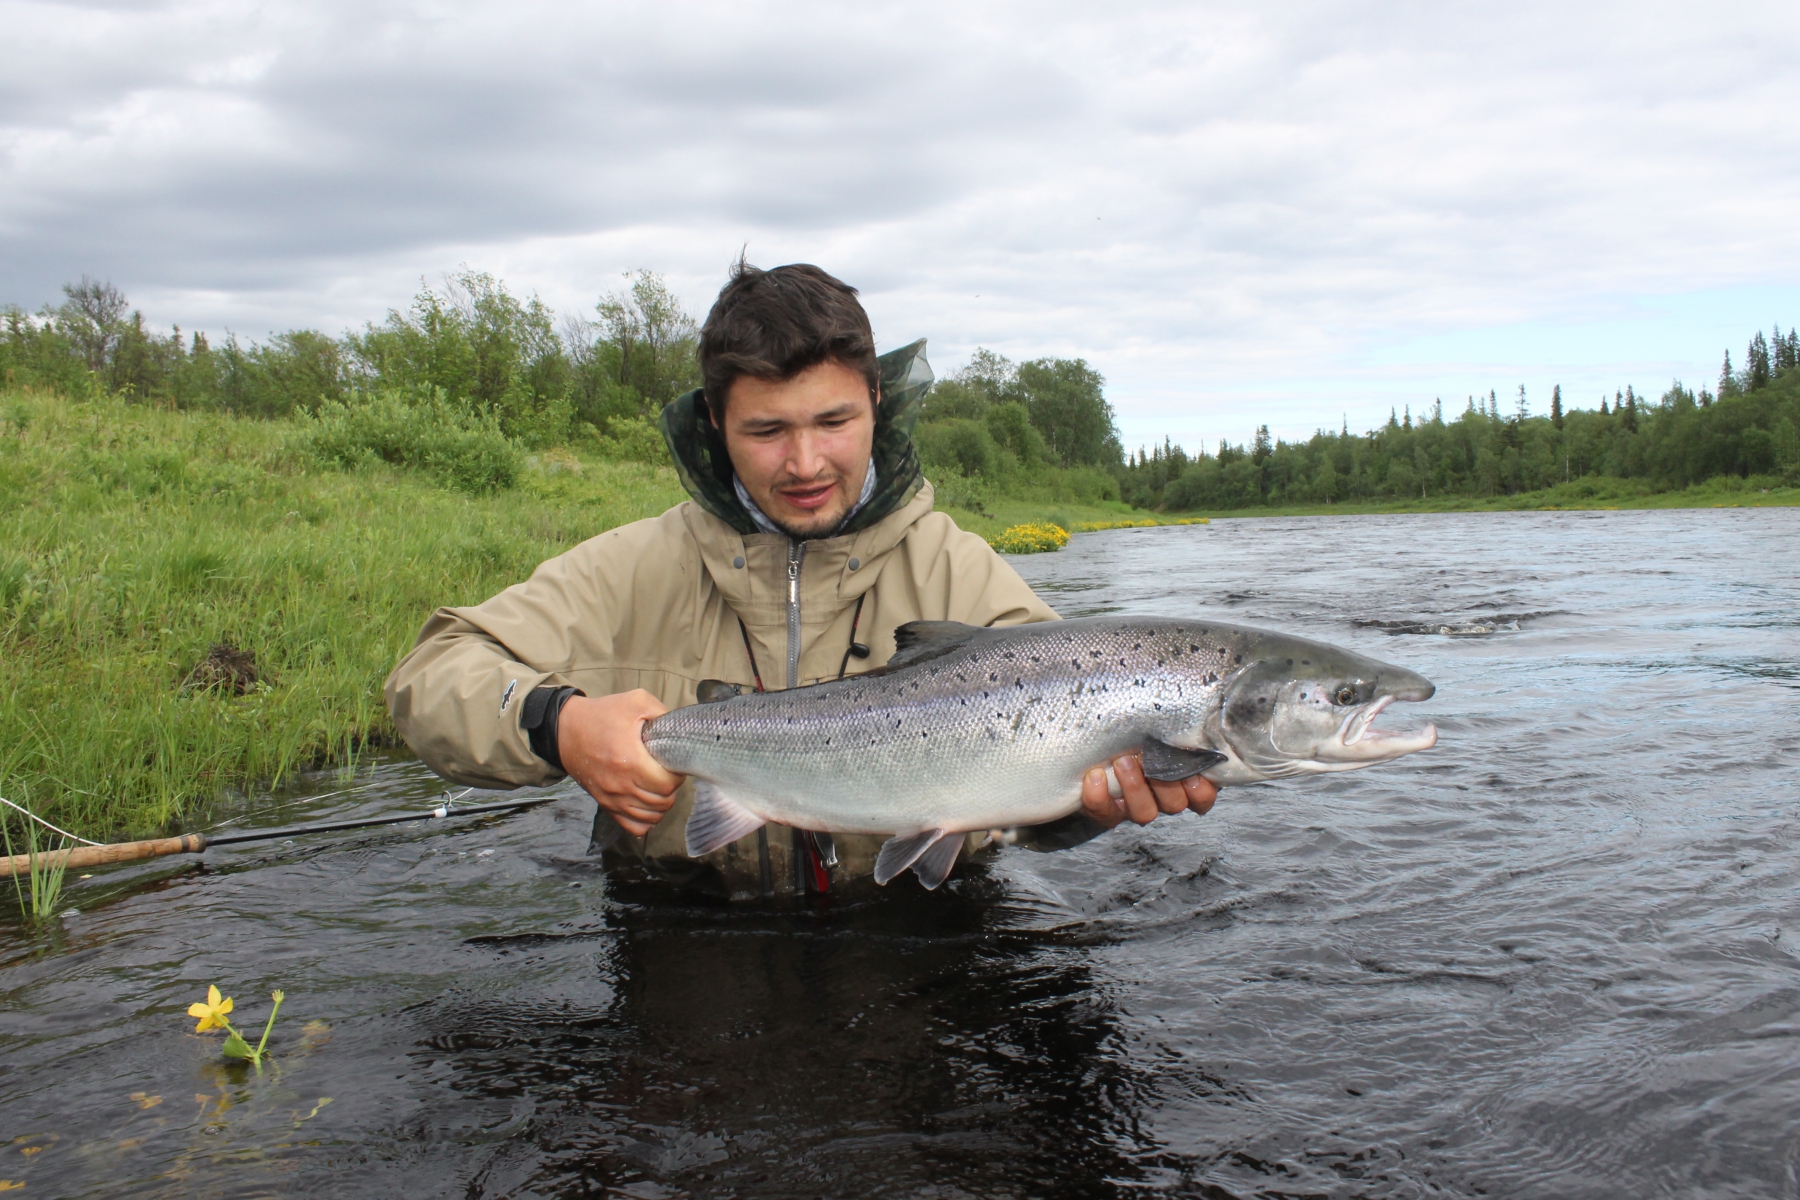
657,605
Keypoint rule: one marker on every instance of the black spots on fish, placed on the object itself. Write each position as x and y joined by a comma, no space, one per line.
1195,649
1076,663
993,677
1306,662
1290,662
1240,658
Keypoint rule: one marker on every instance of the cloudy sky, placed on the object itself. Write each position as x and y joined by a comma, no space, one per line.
1297,213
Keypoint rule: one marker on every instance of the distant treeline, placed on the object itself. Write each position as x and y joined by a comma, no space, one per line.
994,429
472,343
1750,429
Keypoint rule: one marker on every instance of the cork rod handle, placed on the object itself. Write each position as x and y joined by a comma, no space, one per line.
95,856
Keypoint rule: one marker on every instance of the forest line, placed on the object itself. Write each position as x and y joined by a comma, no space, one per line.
993,430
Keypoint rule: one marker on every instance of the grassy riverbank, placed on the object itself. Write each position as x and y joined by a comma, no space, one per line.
133,539
1593,493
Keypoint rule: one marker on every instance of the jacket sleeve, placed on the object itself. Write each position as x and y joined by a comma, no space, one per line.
457,696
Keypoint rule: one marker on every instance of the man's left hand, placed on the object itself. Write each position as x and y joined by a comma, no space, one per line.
1144,799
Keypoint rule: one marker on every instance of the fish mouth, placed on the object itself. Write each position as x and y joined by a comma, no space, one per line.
1358,740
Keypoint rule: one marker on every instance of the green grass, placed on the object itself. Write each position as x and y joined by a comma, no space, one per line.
39,888
1005,513
133,539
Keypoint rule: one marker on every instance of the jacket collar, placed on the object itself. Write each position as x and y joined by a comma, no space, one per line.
705,468
749,569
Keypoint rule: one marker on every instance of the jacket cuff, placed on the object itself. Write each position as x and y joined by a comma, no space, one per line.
537,717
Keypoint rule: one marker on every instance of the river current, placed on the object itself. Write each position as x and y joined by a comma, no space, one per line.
1558,955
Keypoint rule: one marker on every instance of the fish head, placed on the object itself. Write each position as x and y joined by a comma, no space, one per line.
1304,707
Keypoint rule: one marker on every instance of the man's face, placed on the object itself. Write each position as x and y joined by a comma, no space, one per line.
801,446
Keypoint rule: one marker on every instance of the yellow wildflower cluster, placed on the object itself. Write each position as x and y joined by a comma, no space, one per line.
1034,538
1146,523
1097,526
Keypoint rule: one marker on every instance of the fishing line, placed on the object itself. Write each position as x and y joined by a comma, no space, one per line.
46,824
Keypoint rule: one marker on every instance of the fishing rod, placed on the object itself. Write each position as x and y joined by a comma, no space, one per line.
196,843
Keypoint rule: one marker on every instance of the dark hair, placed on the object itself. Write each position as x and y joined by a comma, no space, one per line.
775,324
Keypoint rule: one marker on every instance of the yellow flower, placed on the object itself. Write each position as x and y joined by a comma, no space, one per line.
211,1012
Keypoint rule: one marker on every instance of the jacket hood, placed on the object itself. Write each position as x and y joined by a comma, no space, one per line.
701,461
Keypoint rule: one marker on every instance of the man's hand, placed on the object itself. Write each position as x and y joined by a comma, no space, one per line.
1144,799
601,741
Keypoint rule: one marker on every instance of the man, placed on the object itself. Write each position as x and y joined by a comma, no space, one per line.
810,538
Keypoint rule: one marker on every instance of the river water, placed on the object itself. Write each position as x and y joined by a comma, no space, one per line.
1555,956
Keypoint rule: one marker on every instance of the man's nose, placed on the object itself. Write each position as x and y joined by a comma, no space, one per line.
804,459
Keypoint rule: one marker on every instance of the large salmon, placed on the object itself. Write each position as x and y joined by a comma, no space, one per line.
969,728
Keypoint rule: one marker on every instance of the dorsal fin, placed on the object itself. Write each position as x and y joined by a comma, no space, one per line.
711,691
916,641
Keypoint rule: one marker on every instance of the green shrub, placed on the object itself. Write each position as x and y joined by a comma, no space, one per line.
631,439
961,445
464,450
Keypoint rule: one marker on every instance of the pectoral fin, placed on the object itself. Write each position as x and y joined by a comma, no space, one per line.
717,820
1169,763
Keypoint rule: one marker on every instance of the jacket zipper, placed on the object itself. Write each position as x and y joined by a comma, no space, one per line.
796,552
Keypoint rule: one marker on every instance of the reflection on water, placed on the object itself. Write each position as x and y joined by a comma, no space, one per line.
1553,956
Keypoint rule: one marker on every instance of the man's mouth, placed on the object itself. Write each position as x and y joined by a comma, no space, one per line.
808,498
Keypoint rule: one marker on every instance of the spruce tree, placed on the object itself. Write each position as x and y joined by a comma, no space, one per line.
1727,384
1556,406
1603,405
1756,363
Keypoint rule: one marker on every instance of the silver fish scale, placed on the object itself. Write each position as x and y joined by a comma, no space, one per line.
994,733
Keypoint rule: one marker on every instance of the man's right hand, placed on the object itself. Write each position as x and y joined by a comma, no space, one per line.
601,742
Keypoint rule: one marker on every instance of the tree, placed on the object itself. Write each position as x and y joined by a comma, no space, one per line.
1756,363
1556,411
1067,406
92,318
656,341
1728,385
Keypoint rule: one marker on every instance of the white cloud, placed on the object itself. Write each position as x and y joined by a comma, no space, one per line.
1239,213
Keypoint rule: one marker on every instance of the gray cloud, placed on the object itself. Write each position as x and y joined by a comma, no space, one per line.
1232,210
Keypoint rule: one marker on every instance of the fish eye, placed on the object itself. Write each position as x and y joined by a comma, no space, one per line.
1346,694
